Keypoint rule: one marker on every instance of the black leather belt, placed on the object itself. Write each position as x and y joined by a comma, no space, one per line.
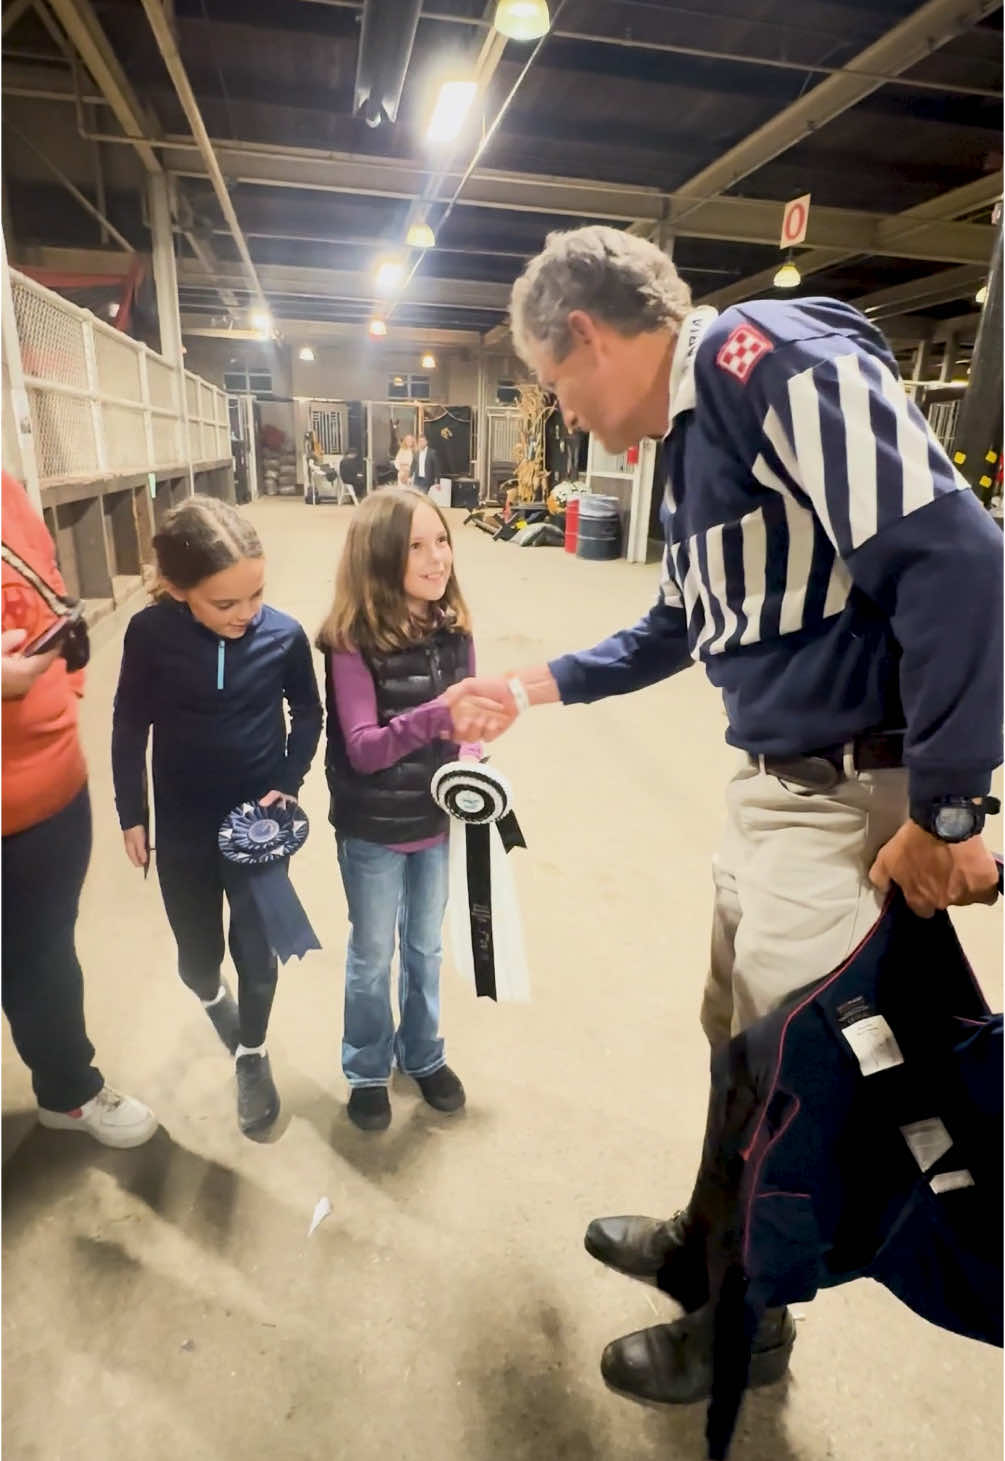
823,770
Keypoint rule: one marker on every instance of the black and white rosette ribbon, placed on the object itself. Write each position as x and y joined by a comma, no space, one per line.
485,924
260,841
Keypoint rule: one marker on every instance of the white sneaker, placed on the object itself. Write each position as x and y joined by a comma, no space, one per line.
110,1117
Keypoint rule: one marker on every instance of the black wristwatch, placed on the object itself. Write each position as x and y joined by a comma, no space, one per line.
955,818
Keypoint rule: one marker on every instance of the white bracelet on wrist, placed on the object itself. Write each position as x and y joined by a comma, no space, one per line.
518,690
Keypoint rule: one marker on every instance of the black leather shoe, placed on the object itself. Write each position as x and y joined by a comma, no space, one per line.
637,1246
370,1108
442,1090
257,1097
671,1364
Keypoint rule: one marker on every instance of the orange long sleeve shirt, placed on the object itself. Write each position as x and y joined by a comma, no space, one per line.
43,763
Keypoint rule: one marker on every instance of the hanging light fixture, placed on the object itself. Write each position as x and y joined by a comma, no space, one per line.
788,276
261,322
522,20
428,361
306,353
377,328
452,106
420,236
390,275
981,295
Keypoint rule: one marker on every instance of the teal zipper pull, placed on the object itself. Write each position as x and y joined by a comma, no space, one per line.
219,665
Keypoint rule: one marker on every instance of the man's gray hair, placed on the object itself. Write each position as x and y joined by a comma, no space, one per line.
623,280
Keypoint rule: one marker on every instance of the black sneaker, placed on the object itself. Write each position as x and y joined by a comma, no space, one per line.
370,1108
226,1020
257,1097
442,1089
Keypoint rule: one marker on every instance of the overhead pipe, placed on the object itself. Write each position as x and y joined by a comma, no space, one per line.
385,49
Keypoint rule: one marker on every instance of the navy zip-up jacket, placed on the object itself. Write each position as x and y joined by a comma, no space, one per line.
216,710
856,1132
825,561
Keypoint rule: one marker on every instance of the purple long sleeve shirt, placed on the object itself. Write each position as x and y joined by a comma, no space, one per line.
371,746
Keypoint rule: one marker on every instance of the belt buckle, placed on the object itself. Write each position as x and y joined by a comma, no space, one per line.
811,773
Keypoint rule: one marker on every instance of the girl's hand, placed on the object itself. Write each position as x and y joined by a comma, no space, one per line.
271,797
135,839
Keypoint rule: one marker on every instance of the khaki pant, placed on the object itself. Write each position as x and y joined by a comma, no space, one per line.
792,890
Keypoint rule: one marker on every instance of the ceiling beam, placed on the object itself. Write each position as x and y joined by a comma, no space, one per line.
13,13
750,220
934,289
966,199
171,56
78,19
320,331
289,280
344,284
918,35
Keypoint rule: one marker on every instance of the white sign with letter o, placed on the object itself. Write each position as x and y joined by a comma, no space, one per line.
795,221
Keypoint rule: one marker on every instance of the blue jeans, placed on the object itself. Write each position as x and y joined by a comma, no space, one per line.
388,892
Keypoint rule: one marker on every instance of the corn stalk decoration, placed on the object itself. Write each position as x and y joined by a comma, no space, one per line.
531,472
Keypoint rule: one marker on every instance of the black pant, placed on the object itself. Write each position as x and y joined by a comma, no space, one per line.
194,876
43,987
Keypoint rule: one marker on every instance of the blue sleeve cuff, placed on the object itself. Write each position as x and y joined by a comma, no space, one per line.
926,784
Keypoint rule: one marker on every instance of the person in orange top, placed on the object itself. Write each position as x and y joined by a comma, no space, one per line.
46,847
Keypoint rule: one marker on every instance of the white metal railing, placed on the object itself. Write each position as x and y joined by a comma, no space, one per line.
101,402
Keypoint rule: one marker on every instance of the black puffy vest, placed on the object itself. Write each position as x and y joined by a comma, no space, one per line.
395,805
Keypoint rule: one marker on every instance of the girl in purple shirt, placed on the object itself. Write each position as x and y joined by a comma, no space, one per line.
397,643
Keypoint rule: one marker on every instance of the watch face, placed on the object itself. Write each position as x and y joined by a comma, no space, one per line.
955,824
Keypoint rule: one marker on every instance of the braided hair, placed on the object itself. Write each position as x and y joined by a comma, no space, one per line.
201,537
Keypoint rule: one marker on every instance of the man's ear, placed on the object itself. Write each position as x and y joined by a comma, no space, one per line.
582,327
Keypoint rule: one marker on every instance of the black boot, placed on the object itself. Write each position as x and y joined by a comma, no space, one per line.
257,1097
671,1364
442,1089
670,1254
370,1108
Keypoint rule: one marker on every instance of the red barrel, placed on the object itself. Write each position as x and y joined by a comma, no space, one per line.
571,524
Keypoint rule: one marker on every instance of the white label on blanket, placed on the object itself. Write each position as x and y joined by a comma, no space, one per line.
874,1044
950,1181
929,1140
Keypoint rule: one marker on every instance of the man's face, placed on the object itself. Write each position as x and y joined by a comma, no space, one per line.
423,443
606,382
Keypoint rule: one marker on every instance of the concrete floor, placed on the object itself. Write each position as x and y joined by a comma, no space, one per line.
167,1302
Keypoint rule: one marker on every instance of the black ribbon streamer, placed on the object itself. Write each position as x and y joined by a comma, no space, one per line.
259,841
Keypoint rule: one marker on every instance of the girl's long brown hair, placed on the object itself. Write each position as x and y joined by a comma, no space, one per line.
370,612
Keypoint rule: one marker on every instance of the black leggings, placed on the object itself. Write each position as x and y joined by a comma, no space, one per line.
43,988
194,877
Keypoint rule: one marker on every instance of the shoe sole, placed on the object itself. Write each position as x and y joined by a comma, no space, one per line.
370,1123
767,1367
260,1124
445,1110
121,1144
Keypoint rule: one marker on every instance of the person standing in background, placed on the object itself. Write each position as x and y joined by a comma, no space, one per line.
427,466
404,460
46,850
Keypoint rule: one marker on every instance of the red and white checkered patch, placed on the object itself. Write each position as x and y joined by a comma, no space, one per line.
742,351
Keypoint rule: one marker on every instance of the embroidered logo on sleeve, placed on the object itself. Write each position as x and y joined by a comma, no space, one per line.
742,351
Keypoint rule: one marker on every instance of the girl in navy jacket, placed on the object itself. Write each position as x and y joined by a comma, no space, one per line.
208,667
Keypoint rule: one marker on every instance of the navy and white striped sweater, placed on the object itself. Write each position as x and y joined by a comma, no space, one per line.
825,561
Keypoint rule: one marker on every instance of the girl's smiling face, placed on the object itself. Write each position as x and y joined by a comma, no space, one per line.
226,602
430,559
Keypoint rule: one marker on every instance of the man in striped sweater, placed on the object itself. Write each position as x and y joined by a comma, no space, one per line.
842,588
